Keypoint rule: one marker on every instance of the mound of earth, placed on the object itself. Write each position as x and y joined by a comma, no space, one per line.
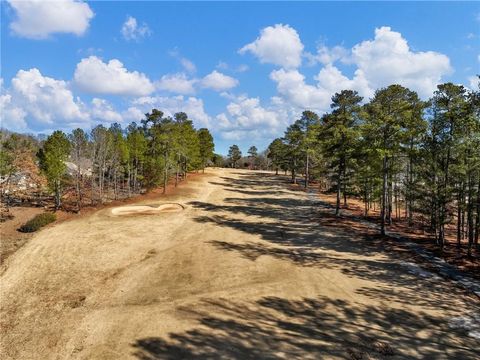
146,209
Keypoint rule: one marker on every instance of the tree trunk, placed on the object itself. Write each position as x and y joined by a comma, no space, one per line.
459,215
339,186
57,195
306,172
477,222
470,209
294,177
384,197
165,174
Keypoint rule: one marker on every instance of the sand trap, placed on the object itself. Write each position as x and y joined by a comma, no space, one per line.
146,209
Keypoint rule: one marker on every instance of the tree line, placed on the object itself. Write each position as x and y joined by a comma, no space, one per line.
112,163
411,158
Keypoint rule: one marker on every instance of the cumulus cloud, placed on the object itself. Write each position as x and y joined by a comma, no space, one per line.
132,31
218,81
278,45
177,83
385,60
102,110
37,101
245,117
94,76
326,55
11,116
37,19
133,113
292,87
44,98
388,59
191,105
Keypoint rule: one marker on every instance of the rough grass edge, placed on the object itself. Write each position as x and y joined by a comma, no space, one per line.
38,222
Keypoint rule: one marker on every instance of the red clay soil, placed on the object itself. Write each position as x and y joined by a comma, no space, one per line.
415,233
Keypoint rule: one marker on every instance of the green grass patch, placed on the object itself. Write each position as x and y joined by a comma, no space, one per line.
38,222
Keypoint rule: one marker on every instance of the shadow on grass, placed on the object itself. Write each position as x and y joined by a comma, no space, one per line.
277,328
302,231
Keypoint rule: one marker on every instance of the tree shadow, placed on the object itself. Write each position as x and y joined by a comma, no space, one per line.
308,328
311,328
305,232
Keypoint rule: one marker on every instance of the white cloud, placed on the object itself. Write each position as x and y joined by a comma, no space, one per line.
218,81
327,55
222,65
239,69
331,79
177,83
242,68
102,110
37,19
295,91
193,106
94,76
473,82
133,114
11,117
385,60
45,98
388,59
291,85
246,118
132,31
187,64
278,45
41,102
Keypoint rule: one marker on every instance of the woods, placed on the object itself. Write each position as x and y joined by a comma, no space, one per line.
417,160
107,163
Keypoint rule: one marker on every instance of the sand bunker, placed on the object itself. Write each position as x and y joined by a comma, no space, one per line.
146,209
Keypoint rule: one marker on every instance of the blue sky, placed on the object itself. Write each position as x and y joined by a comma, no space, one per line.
244,70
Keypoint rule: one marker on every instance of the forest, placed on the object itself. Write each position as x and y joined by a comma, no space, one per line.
104,164
395,152
420,158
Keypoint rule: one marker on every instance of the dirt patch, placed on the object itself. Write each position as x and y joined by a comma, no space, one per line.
10,238
146,209
415,233
246,272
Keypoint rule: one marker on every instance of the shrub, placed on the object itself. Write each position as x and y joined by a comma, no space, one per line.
37,222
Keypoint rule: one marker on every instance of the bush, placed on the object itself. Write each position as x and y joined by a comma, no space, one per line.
37,222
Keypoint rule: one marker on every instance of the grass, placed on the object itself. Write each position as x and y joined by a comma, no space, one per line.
38,222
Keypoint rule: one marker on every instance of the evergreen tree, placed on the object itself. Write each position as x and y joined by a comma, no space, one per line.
234,154
339,137
252,156
52,158
206,147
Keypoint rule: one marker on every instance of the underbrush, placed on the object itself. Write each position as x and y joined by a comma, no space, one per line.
37,222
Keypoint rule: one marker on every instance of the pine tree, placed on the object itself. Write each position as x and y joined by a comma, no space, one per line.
339,137
206,147
234,154
52,158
